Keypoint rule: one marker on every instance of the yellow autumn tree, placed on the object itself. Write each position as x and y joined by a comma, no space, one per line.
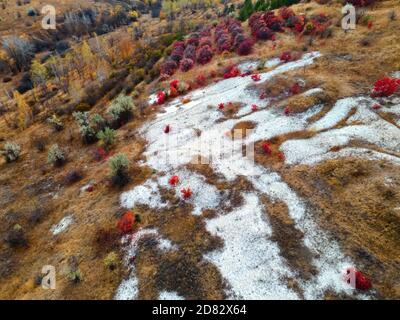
86,52
126,49
24,112
38,73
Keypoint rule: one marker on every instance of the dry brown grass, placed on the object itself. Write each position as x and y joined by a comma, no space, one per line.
357,202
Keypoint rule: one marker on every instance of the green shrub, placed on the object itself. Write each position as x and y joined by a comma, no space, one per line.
56,123
98,121
87,132
75,276
121,109
119,165
11,151
111,260
56,156
107,137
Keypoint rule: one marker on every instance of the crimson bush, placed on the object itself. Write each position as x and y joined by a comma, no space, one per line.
204,55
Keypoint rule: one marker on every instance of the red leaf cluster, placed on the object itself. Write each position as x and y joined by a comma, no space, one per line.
174,180
385,87
285,56
126,222
186,193
231,72
161,97
266,148
361,281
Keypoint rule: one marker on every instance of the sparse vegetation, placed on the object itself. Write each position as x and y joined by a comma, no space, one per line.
121,109
11,151
111,261
119,165
75,276
87,132
107,137
55,122
56,156
16,237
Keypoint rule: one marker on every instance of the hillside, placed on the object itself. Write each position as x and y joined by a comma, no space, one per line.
260,166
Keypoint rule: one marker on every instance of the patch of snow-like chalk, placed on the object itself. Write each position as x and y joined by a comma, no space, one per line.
128,288
312,91
62,225
248,256
147,194
328,259
248,66
368,127
168,295
233,89
396,74
249,260
363,153
271,63
338,112
205,196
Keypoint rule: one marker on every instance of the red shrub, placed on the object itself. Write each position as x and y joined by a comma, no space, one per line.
161,97
190,52
186,193
266,148
360,281
167,128
286,13
178,44
193,39
238,39
376,106
204,55
385,87
286,111
245,47
264,33
177,54
169,67
295,88
201,80
285,56
224,43
221,106
232,71
254,107
173,92
186,64
205,42
100,154
256,77
174,180
174,83
281,156
126,222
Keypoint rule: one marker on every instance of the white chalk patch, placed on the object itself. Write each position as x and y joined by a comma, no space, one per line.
62,225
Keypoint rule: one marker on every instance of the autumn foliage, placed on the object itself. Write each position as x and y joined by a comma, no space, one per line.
186,193
385,87
126,222
361,281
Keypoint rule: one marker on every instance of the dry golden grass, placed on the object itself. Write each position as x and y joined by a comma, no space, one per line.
361,211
